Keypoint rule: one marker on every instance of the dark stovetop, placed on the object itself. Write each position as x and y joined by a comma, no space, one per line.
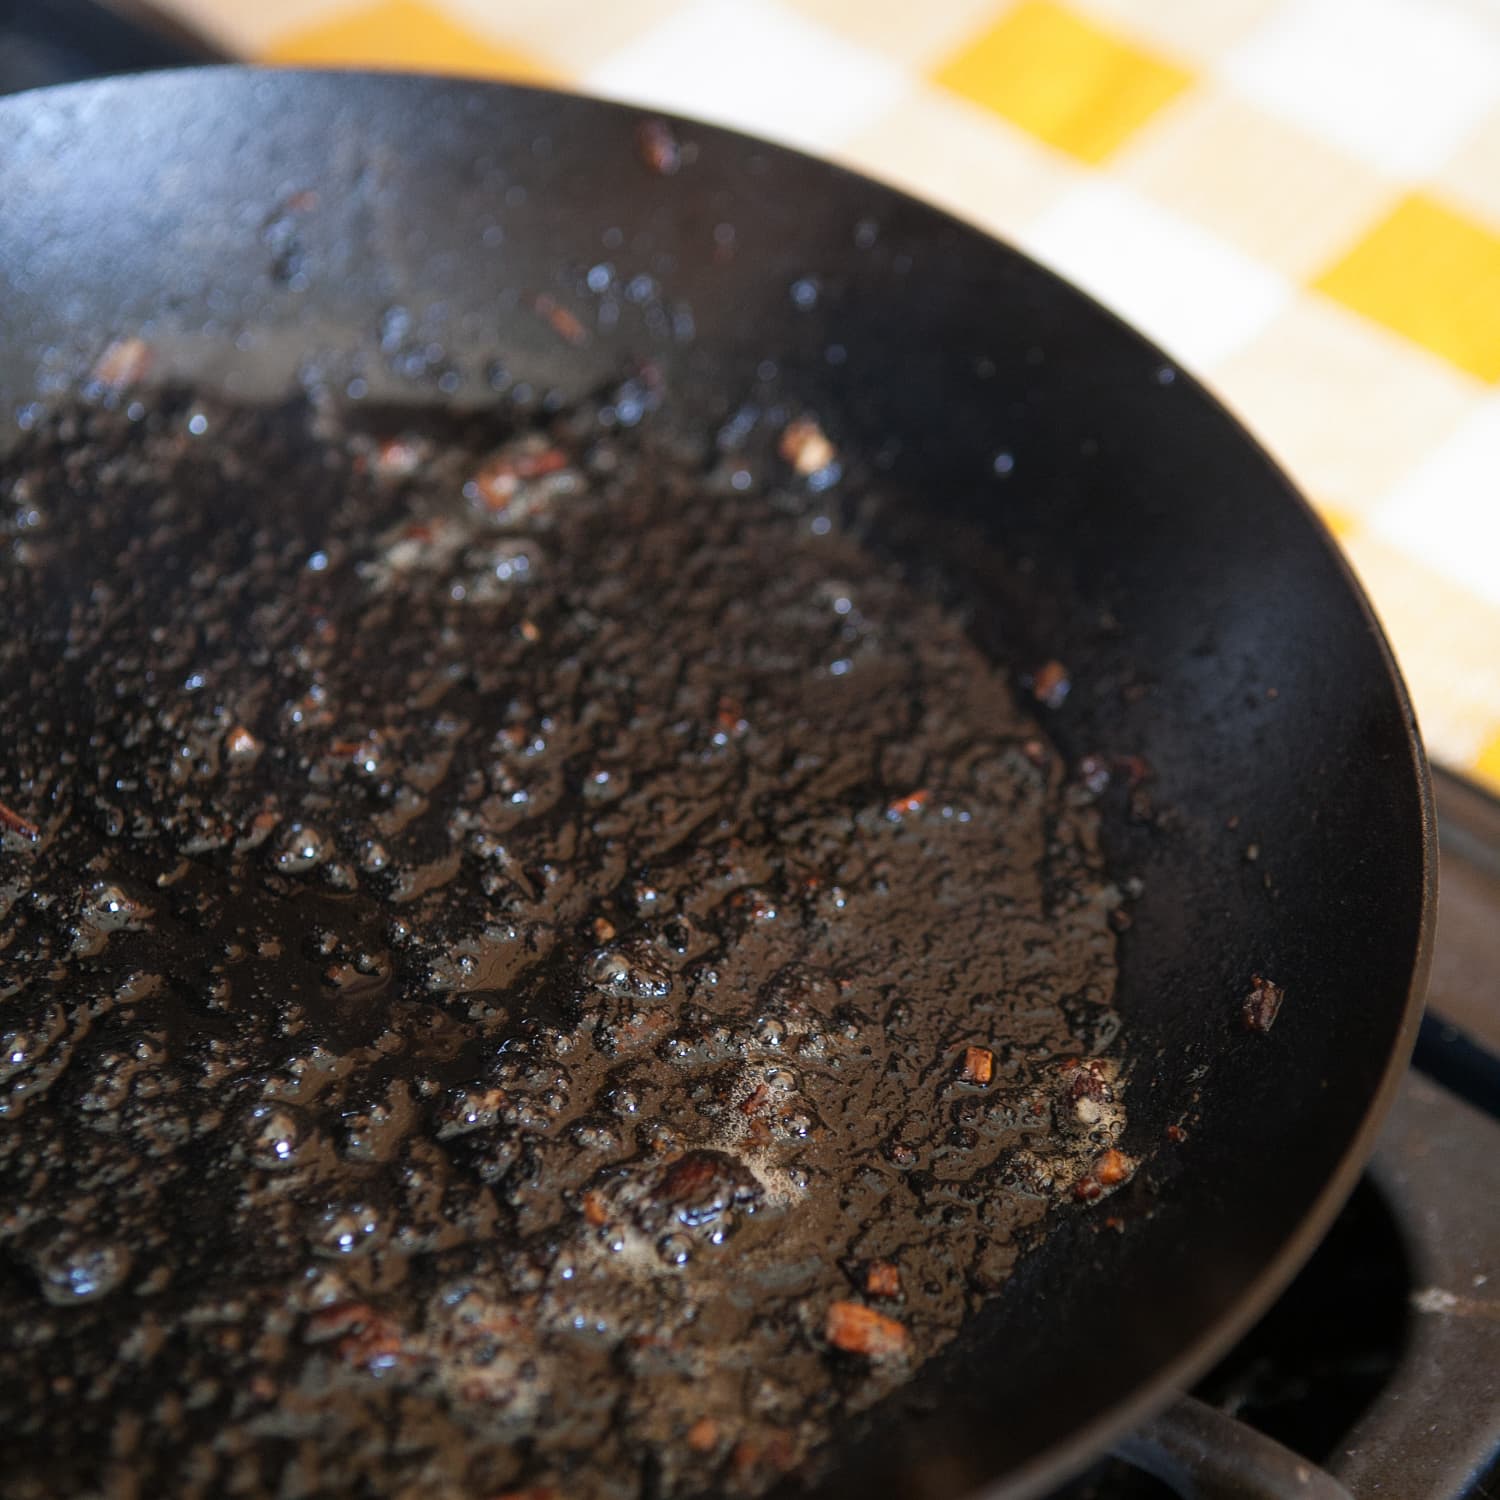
1382,1361
61,41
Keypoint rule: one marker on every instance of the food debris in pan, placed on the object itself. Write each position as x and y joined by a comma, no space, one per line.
514,941
1262,1004
805,446
657,143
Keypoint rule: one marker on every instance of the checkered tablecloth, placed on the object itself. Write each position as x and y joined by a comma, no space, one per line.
1300,199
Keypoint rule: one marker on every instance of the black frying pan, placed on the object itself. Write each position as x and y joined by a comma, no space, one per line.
1138,535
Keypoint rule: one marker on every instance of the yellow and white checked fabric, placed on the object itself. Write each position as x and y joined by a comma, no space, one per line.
1300,199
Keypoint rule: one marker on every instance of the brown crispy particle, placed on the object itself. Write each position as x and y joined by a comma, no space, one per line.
882,1279
1051,684
13,822
594,1211
1261,1005
658,147
731,717
1110,1170
563,323
805,446
373,1346
396,456
240,744
761,1458
913,802
977,1066
260,827
340,1317
498,480
125,363
703,1435
755,1100
857,1329
1176,1134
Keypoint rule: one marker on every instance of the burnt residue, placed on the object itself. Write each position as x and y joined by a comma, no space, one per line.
513,941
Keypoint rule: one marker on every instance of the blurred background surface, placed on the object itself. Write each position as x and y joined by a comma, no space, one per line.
1299,199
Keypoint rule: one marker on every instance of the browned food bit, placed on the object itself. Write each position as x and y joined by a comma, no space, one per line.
882,1279
1176,1134
366,1339
913,802
1051,684
498,480
594,1210
562,322
375,1346
857,1329
13,822
125,362
1260,1007
701,1188
397,457
240,744
334,1321
260,828
755,1100
1111,1169
658,147
731,718
752,1459
977,1066
703,1435
805,446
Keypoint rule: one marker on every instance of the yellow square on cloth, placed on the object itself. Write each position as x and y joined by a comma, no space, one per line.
407,35
1432,274
1064,79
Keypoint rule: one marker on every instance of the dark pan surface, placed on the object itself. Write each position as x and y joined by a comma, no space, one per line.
1138,536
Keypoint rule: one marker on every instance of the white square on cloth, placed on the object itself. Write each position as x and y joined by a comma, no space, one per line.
1192,293
1399,82
1447,510
756,66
